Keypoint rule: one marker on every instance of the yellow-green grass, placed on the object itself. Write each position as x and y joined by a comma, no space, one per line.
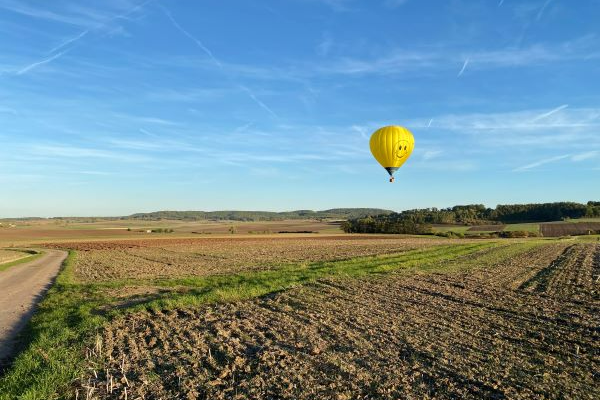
452,228
70,315
529,227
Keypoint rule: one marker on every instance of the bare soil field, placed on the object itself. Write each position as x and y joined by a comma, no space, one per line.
170,258
569,228
34,232
522,327
11,255
487,228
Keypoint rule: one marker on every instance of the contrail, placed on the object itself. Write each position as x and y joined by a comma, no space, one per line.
549,113
541,162
37,64
69,41
76,38
539,15
501,2
189,35
257,101
215,60
463,67
430,121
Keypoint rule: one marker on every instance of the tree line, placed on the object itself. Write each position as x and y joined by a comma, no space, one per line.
334,213
420,221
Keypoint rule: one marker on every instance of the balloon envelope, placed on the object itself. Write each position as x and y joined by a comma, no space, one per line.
391,146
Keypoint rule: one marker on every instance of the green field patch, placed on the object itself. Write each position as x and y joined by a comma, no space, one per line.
451,228
529,227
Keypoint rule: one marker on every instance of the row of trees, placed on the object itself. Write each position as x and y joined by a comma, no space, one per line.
334,213
419,221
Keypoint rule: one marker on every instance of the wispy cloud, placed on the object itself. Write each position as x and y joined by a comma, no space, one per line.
431,154
394,3
8,110
542,9
69,41
258,101
541,162
549,113
62,151
216,61
147,120
38,63
192,37
585,156
324,47
462,70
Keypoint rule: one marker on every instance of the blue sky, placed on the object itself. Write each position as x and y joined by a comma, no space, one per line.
121,106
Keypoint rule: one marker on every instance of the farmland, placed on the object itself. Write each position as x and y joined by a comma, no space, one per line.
31,232
10,255
169,258
569,228
316,316
463,335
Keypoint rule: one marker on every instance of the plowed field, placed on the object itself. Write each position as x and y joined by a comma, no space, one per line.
527,326
565,228
170,258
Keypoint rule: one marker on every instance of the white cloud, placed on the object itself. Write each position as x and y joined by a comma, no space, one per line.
541,162
585,156
431,154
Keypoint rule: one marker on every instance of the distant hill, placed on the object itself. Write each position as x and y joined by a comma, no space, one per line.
334,213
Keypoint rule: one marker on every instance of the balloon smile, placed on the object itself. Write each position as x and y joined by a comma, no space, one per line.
401,149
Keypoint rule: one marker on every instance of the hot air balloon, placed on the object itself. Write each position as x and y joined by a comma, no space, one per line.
391,146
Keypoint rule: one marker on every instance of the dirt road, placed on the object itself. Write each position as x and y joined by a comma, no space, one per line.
21,287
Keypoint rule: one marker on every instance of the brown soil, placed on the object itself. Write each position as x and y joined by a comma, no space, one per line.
567,228
169,258
527,328
485,228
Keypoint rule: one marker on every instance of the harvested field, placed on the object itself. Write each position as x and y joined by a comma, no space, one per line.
11,255
487,228
522,327
169,258
568,228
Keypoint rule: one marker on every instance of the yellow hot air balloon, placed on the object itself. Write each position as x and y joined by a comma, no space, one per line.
391,146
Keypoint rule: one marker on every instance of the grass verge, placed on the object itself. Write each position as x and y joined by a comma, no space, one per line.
70,315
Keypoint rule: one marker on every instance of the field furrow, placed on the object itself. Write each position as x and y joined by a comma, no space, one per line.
173,258
467,334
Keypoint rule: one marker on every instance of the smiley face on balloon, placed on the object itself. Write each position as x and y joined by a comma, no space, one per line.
402,149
